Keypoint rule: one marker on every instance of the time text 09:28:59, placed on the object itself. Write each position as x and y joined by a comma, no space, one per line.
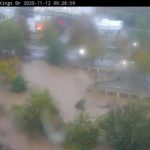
49,3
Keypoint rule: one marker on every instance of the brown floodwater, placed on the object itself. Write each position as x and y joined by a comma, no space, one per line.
66,85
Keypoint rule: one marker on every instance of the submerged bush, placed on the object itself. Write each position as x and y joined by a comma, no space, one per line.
18,84
80,104
28,116
82,133
27,119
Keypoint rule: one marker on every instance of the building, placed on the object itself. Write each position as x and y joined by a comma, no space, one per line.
105,25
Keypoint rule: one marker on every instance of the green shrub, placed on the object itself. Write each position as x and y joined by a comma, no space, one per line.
80,104
9,68
18,84
28,116
27,119
127,127
82,133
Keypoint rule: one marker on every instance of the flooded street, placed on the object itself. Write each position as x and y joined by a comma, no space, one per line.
74,78
67,86
8,98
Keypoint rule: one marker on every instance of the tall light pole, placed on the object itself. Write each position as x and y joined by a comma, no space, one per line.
82,53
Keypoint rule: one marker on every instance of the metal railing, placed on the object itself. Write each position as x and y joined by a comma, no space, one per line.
125,91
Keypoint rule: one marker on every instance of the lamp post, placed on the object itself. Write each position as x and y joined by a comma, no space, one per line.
135,44
82,54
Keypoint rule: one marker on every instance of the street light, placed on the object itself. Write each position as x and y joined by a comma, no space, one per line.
135,44
124,63
82,52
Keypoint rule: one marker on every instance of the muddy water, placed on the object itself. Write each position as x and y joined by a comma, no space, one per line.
8,98
67,86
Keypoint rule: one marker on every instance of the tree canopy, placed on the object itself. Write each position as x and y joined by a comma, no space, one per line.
127,127
11,36
49,34
142,59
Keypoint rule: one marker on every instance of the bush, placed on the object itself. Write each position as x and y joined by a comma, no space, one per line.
82,133
49,33
11,35
80,104
28,116
9,68
18,84
127,127
27,119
